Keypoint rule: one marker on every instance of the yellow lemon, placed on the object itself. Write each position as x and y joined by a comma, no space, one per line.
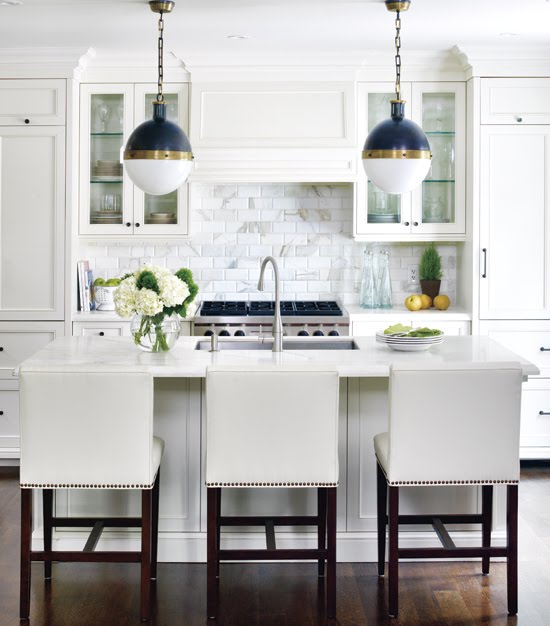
426,301
442,302
413,302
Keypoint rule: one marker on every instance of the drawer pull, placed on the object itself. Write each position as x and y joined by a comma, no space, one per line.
1,412
544,412
544,349
101,333
1,349
27,121
484,275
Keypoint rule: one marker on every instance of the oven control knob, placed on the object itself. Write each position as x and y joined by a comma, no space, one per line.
334,333
318,333
209,333
303,333
240,333
224,333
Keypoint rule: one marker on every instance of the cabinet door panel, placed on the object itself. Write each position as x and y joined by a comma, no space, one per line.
32,194
9,424
513,228
32,102
515,100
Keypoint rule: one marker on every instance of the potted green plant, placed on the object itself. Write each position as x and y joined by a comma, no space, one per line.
430,271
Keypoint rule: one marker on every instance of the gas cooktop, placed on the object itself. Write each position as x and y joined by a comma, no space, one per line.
211,308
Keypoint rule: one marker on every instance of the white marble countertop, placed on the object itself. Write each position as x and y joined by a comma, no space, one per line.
183,361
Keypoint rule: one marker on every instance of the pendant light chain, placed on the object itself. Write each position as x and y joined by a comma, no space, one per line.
397,56
160,95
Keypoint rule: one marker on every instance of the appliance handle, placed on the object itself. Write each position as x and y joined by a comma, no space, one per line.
484,275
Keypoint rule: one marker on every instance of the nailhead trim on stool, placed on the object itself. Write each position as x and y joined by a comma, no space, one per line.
81,486
272,484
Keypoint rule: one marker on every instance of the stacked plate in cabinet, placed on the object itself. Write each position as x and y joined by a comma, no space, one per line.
404,343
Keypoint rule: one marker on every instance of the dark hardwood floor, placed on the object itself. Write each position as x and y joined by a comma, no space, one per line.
454,594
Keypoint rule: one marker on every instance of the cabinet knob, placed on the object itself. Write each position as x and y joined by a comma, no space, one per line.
406,223
1,349
27,121
415,223
101,333
1,412
519,119
128,224
137,224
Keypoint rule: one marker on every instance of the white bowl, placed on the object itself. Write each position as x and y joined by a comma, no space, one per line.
104,298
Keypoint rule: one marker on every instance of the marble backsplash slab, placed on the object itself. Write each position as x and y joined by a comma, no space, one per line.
306,227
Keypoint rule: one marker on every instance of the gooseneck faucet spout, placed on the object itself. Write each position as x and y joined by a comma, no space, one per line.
277,323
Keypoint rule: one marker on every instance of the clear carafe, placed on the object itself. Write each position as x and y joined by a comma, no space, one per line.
368,298
384,285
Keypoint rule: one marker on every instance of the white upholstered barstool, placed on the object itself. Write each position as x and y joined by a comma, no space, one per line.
450,424
88,429
272,426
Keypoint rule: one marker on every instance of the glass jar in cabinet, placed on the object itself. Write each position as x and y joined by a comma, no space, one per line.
437,208
109,203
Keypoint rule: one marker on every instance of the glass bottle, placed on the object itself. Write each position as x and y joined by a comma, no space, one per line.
384,285
368,297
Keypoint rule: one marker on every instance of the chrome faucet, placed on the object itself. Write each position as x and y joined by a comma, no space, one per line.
277,323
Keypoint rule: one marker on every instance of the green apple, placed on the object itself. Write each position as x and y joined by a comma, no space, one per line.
99,282
112,282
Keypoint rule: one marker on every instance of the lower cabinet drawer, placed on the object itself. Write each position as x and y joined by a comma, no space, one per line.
18,341
9,424
535,415
101,329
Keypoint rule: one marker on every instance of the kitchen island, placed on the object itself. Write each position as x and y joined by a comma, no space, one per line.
179,406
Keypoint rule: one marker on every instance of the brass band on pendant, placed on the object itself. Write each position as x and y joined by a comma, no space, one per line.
403,5
158,155
396,154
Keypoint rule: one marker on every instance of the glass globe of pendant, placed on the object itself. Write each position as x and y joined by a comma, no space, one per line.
158,156
397,155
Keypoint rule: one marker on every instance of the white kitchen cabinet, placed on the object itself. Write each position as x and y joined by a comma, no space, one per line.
109,203
514,222
32,218
19,340
370,328
32,102
436,209
515,101
121,328
9,424
535,420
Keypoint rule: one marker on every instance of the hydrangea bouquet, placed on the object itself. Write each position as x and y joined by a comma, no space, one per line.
155,297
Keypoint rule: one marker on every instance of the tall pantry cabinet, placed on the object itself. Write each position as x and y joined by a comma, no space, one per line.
514,294
32,230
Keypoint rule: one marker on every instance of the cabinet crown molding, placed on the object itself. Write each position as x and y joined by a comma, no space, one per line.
44,62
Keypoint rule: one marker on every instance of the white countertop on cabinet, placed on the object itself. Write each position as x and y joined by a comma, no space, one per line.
400,313
183,361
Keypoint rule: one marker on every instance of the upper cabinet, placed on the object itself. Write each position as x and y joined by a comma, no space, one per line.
515,100
109,203
32,102
436,209
283,131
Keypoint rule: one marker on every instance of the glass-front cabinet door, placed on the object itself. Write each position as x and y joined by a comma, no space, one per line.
168,213
437,207
438,204
110,204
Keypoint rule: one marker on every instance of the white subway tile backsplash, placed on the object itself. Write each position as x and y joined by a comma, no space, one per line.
306,227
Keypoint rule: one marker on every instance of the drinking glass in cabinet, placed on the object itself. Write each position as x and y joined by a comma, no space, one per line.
383,208
438,111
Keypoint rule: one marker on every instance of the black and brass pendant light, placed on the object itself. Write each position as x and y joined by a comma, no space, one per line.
158,156
397,154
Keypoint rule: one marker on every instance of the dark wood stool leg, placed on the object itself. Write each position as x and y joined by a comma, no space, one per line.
331,548
393,566
47,506
26,533
218,528
487,521
155,527
381,506
212,515
512,545
321,526
146,511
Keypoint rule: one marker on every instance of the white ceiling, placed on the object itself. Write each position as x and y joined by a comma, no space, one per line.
330,29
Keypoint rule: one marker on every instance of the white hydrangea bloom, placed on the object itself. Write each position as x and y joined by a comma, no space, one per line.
148,302
125,297
173,291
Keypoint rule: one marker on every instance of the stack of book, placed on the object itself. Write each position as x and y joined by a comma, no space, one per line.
85,287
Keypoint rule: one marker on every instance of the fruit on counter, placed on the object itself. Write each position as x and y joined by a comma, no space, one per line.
413,302
424,332
426,301
99,282
397,328
442,302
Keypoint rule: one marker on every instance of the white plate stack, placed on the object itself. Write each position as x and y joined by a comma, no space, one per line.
400,341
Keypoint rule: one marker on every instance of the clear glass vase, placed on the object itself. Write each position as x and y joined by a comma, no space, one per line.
155,333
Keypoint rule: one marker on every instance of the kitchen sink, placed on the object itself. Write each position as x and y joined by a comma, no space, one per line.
305,344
